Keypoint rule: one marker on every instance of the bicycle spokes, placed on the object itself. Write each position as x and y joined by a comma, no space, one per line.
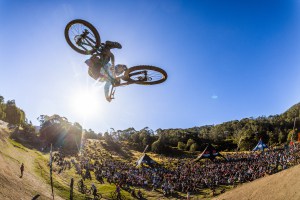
145,75
82,37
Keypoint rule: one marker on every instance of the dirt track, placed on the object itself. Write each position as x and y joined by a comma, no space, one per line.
12,187
280,186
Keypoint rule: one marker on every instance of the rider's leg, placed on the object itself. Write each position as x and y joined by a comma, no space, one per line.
106,90
107,70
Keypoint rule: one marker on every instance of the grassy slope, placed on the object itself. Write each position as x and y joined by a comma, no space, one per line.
12,154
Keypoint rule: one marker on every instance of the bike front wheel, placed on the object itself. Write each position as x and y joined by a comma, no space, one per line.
82,36
146,75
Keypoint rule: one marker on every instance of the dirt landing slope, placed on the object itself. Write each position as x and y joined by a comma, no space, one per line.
12,187
280,186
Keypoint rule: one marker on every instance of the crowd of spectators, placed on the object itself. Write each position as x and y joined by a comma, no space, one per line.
61,161
182,175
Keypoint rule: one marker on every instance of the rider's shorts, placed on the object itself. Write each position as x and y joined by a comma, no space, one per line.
106,71
94,73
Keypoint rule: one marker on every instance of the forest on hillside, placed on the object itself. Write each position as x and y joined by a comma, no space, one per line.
229,136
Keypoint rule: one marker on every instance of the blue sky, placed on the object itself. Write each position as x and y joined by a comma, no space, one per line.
226,60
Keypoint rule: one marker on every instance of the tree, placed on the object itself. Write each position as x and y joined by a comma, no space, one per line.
90,134
292,133
189,143
281,137
2,110
194,147
273,137
135,137
248,141
107,138
58,131
13,114
181,146
29,129
158,146
72,139
145,136
11,102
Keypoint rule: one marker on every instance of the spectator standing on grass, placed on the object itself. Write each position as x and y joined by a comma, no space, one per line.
22,170
188,196
118,191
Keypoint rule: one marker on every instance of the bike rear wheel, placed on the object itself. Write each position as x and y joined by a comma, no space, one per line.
146,75
82,36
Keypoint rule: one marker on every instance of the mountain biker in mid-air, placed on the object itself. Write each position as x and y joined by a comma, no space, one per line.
101,70
84,38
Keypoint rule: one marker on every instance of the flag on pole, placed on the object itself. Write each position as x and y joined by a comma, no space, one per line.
51,180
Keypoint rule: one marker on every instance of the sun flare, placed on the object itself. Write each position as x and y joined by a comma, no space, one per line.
85,102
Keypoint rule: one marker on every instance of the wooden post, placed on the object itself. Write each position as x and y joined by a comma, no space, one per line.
51,179
71,188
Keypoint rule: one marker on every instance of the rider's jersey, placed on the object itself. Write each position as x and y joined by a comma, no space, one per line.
98,71
105,72
94,67
105,57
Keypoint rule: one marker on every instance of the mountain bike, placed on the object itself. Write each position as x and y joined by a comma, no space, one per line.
84,38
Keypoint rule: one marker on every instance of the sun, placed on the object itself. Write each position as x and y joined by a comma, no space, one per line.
85,102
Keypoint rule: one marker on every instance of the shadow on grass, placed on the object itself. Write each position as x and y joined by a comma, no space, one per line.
116,148
30,141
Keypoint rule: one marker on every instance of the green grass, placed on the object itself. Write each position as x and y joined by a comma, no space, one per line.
17,145
61,187
61,182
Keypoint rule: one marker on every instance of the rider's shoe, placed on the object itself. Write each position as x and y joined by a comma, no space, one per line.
108,99
111,44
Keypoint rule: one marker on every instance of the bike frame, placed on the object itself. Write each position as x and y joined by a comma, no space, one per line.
117,82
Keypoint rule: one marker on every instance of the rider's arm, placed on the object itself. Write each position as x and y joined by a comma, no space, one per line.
112,57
